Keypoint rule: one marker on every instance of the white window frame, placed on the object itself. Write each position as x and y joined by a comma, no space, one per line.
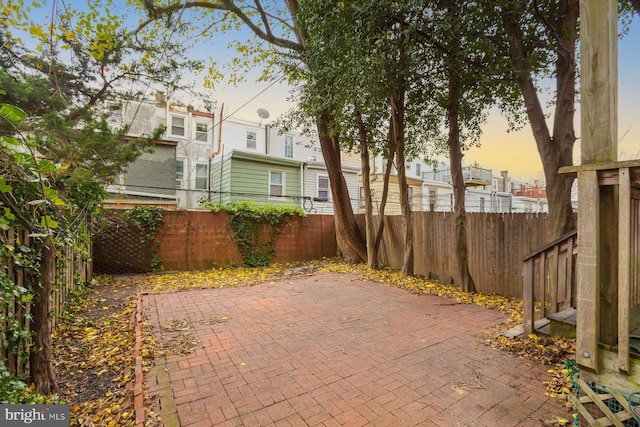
199,133
418,171
317,149
184,126
196,177
180,175
328,190
361,194
288,146
282,184
252,139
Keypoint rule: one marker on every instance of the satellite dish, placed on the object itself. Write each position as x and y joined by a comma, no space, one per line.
262,113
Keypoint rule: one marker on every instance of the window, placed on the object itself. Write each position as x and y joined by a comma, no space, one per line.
410,191
177,126
407,166
288,146
202,132
276,184
362,201
202,172
115,113
481,204
418,171
179,173
317,149
251,140
432,200
323,187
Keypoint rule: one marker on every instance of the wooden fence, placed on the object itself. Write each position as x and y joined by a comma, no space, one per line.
72,268
497,246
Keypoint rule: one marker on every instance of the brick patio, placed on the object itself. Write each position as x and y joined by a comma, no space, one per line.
333,350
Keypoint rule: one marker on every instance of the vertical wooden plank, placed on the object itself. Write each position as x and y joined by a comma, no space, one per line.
624,267
528,296
569,273
553,279
588,272
562,303
539,283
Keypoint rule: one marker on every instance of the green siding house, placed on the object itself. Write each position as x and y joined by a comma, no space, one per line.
263,179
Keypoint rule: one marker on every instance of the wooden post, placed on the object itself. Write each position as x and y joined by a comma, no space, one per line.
599,81
588,271
528,296
624,269
599,139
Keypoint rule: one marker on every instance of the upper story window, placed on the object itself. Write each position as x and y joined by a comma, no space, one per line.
323,187
418,169
288,146
179,173
116,113
276,184
202,132
317,149
202,173
251,140
177,126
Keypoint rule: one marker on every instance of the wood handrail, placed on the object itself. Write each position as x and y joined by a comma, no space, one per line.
550,245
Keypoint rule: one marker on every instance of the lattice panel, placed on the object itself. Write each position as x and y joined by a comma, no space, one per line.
598,406
121,248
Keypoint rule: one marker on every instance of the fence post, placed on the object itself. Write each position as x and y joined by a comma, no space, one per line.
528,295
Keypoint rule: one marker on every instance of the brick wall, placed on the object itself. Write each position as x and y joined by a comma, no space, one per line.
196,240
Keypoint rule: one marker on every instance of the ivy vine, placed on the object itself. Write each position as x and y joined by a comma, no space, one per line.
248,222
147,219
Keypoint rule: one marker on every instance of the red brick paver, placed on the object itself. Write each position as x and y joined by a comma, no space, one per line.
332,350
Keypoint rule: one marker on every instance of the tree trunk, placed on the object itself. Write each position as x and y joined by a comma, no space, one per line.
372,250
385,193
350,241
41,359
349,238
463,276
555,150
397,133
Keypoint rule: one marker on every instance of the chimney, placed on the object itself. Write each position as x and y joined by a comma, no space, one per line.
161,99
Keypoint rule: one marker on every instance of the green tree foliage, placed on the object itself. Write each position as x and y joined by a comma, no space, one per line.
56,148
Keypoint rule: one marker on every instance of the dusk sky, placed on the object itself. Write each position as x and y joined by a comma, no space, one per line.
499,150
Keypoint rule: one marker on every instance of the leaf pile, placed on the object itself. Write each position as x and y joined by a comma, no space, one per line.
560,386
93,356
226,277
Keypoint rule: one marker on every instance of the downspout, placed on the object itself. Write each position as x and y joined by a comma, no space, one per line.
267,139
215,153
302,181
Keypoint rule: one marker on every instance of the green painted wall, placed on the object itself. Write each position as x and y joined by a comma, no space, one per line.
245,176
